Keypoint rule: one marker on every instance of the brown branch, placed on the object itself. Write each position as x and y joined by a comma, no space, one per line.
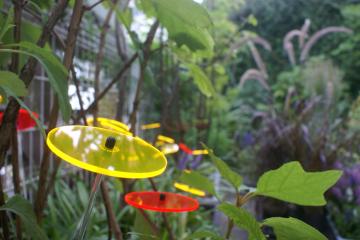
143,65
14,67
16,175
27,74
3,217
74,78
100,55
76,82
89,8
118,76
110,212
75,21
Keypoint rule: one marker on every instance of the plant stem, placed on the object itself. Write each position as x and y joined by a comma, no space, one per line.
110,212
163,215
100,55
3,217
240,201
26,75
143,65
16,175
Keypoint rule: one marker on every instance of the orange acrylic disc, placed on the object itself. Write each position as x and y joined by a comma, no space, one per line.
87,147
161,201
24,120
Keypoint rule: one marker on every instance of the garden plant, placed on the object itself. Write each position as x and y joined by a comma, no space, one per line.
210,119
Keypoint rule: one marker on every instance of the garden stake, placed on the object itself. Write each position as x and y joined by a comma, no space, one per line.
82,226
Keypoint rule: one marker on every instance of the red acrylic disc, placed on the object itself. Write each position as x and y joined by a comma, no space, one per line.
185,148
24,120
161,201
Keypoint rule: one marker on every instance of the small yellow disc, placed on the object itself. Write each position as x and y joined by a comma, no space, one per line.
169,148
187,188
84,147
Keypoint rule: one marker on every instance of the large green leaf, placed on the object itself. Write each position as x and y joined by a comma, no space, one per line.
292,184
21,207
184,11
204,235
6,23
243,220
56,72
12,84
201,80
292,228
229,175
196,180
142,228
186,21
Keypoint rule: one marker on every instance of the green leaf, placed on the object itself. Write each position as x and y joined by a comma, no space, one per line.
21,207
187,23
204,234
292,228
243,220
201,80
146,6
143,228
11,83
184,11
292,184
6,25
196,180
229,175
55,70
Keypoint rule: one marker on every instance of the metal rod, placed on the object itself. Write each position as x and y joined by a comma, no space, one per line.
82,225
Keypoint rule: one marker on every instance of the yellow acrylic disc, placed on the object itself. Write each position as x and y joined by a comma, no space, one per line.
187,188
169,148
84,147
150,126
200,152
165,139
110,124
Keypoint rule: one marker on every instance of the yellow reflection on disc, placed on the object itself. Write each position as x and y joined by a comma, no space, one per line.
110,124
84,147
169,148
1,99
187,188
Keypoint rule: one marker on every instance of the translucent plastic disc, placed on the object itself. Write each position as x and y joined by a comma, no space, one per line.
169,148
110,124
150,126
84,147
187,188
161,201
24,120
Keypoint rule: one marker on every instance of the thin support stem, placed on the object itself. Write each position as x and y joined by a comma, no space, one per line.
81,228
163,215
